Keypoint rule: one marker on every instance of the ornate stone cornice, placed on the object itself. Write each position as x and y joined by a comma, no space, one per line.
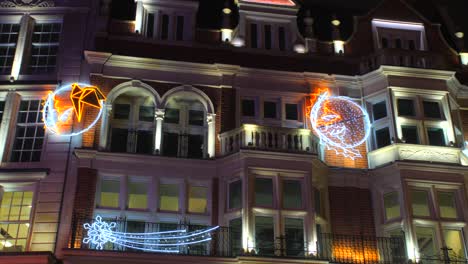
27,3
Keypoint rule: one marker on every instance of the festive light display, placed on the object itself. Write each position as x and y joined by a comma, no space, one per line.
100,233
341,124
67,100
273,2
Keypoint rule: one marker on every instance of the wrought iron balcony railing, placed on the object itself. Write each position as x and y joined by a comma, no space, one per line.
133,236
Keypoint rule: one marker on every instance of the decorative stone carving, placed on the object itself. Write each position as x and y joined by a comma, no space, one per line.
159,114
27,3
432,155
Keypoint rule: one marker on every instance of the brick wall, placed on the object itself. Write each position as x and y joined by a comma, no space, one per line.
83,205
351,211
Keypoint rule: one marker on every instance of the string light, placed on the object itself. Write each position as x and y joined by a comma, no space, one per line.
341,124
67,100
101,232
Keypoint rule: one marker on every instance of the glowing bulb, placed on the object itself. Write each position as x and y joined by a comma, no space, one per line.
7,244
238,42
336,22
459,34
227,11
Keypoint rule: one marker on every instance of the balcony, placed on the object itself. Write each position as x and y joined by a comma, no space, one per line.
225,244
411,152
279,139
404,58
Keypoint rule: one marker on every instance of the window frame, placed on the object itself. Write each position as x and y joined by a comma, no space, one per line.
399,200
301,185
228,198
274,203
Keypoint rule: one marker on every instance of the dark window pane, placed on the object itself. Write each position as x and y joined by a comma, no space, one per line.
431,109
195,146
264,192
144,142
180,28
253,36
411,44
382,137
281,38
171,115
264,235
405,107
2,107
165,27
267,37
150,26
292,194
436,136
236,235
291,111
235,195
196,117
146,113
248,107
410,134
294,232
121,111
119,140
398,43
379,110
384,43
269,109
170,144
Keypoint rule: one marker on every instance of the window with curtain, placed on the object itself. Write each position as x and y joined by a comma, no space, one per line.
391,205
447,204
110,193
169,197
420,203
198,199
137,194
15,220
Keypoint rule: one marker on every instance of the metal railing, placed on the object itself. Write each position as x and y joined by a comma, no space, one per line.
227,242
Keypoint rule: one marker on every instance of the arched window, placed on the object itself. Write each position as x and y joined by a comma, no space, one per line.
132,123
185,127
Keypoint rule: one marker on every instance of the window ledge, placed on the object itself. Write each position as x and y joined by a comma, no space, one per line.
23,175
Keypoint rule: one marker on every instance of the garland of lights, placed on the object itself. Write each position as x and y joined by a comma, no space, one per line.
57,113
100,233
341,124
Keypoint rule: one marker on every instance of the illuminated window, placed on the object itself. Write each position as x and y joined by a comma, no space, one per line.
432,110
454,240
169,197
269,109
15,216
436,136
447,204
197,199
426,241
420,203
264,235
235,195
8,39
44,49
379,110
291,112
248,107
264,192
294,234
382,137
110,192
29,132
292,194
137,194
410,134
392,205
236,235
405,107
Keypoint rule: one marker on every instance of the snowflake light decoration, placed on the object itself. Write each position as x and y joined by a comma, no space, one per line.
341,124
99,232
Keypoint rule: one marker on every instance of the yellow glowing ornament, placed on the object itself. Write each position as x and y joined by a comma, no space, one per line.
80,97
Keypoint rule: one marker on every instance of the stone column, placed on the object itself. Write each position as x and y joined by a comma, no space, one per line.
139,17
159,117
211,135
105,124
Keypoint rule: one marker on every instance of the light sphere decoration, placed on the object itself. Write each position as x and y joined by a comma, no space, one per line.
341,124
70,102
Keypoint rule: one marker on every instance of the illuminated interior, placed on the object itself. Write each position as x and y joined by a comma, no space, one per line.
15,214
273,2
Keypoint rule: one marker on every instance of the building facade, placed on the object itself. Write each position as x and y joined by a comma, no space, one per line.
291,137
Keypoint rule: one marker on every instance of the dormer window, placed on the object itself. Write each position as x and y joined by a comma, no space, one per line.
399,35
